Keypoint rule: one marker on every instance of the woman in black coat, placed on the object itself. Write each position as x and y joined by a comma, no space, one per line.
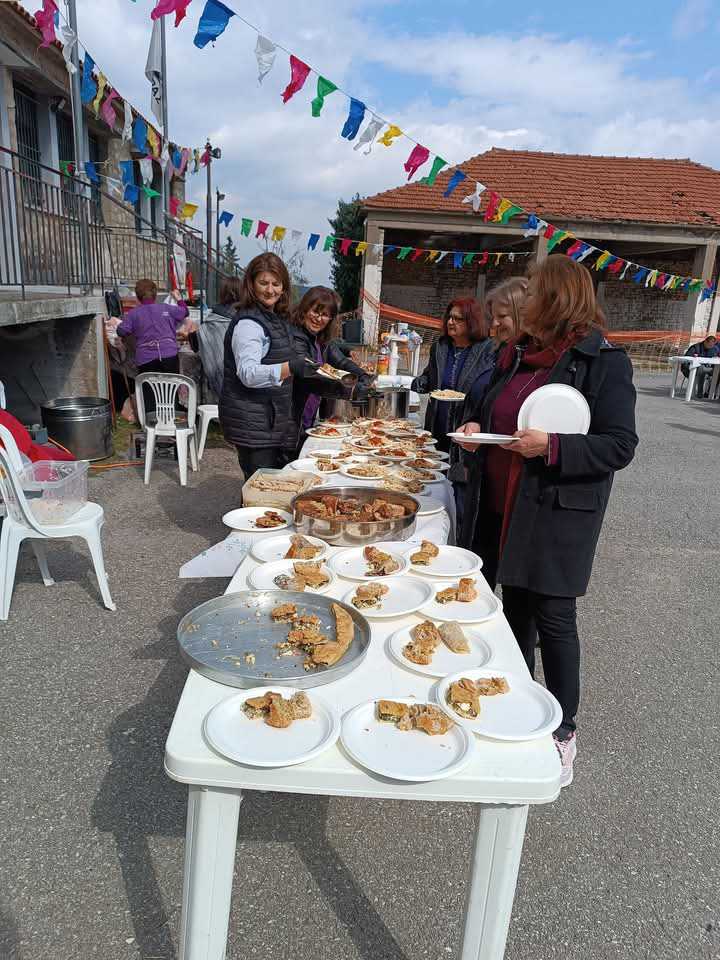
461,359
538,503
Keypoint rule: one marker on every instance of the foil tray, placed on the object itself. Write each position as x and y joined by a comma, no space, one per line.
215,637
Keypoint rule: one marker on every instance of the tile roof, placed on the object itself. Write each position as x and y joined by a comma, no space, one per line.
560,186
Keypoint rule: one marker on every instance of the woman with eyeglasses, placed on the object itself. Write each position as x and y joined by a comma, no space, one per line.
315,327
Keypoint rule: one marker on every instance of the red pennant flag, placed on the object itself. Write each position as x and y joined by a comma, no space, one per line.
483,259
178,7
298,75
493,204
261,229
345,247
417,252
616,266
575,248
174,205
418,156
549,231
190,288
205,158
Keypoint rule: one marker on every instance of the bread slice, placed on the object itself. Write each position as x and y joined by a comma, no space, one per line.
391,712
453,637
463,697
301,706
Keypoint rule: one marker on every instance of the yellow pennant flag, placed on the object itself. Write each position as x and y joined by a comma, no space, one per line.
102,83
361,247
431,255
498,258
278,234
188,211
390,134
153,140
502,209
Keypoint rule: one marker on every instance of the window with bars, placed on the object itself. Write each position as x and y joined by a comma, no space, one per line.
28,139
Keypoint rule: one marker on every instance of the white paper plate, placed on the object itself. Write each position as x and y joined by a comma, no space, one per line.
412,756
438,465
436,477
263,577
436,454
404,596
450,562
346,471
527,712
244,519
352,565
439,399
428,507
234,735
326,453
555,408
270,549
388,459
309,465
444,661
481,439
320,432
485,606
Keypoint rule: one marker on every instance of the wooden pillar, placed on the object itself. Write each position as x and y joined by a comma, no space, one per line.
697,316
372,281
541,250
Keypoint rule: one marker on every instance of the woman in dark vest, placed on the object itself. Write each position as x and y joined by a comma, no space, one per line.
256,402
538,503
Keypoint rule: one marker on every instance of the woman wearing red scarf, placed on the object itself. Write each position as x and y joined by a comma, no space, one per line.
540,502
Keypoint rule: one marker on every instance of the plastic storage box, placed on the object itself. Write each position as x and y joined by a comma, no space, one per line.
55,490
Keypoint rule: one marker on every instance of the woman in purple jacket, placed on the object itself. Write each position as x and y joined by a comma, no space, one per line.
154,326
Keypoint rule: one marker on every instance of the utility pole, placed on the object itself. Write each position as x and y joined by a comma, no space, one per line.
213,153
164,89
78,117
218,197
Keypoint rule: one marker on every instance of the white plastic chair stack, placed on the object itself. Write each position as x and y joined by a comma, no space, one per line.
165,423
20,524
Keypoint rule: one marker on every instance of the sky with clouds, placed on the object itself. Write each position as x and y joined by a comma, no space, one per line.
613,78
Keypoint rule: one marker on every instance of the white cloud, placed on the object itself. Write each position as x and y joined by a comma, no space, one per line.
692,17
473,91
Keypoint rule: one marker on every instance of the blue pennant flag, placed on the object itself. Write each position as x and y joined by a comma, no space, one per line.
390,248
640,275
139,134
126,170
132,192
88,90
313,241
215,17
225,218
355,117
455,180
457,259
91,172
176,158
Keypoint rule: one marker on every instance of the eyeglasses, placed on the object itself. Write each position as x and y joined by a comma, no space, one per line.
320,314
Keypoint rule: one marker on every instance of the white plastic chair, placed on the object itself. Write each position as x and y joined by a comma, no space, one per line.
165,421
20,524
206,413
7,440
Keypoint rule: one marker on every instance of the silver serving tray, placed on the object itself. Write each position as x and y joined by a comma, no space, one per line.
214,638
341,532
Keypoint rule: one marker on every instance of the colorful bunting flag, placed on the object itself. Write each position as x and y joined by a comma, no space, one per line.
368,135
404,251
153,140
438,164
184,157
355,117
295,235
127,121
265,53
164,156
602,261
390,248
345,246
149,192
324,88
174,204
476,198
298,75
468,259
640,275
278,234
205,157
146,170
432,254
417,253
246,227
507,210
91,171
616,265
575,248
360,248
45,20
455,181
418,156
484,259
127,171
556,237
313,241
101,84
164,7
88,88
442,256
107,111
457,260
225,218
132,193
139,134
188,211
196,161
492,205
213,20
67,167
392,133
261,231
329,244
69,39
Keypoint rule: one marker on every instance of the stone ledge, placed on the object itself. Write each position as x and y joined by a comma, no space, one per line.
33,311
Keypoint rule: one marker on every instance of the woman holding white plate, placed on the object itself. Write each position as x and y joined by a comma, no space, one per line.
539,502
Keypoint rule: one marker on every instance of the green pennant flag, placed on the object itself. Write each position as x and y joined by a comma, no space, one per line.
149,192
404,251
557,238
329,244
438,164
512,211
246,227
695,286
67,168
468,259
324,89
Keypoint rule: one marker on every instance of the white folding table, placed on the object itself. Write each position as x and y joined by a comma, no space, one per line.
503,779
694,363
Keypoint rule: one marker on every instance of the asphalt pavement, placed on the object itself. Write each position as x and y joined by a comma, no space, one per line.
624,865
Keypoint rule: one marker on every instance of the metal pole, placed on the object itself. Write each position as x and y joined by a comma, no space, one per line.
218,197
78,117
164,88
209,287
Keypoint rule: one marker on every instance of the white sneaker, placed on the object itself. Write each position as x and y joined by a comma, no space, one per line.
568,751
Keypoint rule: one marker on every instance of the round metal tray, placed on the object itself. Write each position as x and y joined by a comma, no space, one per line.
342,532
215,637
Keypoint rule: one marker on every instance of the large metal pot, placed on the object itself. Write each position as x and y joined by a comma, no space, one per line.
390,402
81,424
341,532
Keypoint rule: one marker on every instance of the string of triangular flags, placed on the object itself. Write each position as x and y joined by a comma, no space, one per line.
498,209
99,95
327,243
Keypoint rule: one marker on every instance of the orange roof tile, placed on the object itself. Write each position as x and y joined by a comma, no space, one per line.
560,186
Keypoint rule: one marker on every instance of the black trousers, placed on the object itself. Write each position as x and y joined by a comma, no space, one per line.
554,619
486,543
166,365
253,458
